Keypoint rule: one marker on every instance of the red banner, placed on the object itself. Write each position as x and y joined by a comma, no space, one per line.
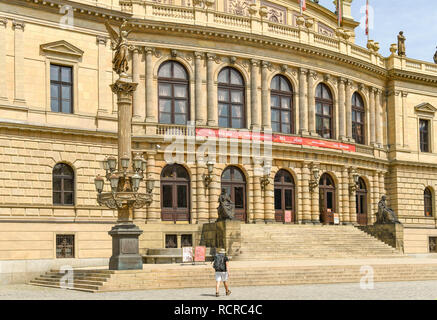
248,135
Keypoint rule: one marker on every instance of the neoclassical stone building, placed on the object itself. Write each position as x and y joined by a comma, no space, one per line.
307,127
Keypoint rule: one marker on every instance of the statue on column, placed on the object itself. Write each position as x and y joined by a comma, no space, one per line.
226,208
435,57
401,44
119,44
385,214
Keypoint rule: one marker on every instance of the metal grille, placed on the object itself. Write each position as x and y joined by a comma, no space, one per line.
64,246
433,244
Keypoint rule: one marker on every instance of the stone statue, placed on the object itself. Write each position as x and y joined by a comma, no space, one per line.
226,208
385,215
401,44
435,57
120,46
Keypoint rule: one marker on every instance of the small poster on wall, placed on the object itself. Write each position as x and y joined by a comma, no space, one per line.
336,218
187,254
287,216
199,254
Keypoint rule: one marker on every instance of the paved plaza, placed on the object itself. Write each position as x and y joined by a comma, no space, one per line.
414,290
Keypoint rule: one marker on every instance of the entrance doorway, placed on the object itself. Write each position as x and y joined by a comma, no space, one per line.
361,198
327,199
234,183
284,197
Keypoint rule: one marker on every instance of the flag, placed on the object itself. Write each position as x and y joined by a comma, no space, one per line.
303,5
367,17
339,11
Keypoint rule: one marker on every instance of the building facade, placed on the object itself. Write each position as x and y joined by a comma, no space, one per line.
283,111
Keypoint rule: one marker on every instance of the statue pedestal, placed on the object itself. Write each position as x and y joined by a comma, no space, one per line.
390,233
223,234
125,253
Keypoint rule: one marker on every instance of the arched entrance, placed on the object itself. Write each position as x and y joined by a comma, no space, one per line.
284,195
327,199
234,183
175,193
361,198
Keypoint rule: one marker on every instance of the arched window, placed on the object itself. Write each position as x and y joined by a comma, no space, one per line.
428,202
358,116
327,205
234,183
63,184
173,93
231,99
361,202
281,99
284,195
175,193
324,111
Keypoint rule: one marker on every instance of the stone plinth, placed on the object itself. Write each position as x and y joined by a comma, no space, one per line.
390,233
125,253
223,234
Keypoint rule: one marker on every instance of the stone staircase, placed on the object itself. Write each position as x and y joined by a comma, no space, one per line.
283,242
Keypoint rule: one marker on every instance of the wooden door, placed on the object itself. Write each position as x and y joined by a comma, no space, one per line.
234,183
284,196
361,203
327,196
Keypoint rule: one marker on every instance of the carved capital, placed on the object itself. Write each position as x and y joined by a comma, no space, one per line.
101,40
136,49
3,22
18,25
198,55
404,94
174,53
123,87
254,62
213,57
313,75
342,80
284,68
303,71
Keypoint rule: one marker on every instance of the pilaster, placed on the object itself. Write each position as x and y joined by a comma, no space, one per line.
20,72
303,110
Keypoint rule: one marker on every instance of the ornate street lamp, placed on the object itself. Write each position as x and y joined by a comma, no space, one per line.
265,179
124,179
207,178
314,182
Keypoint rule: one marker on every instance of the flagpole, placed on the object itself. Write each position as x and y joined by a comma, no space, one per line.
300,5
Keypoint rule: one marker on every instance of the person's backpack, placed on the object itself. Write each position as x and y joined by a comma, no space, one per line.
219,263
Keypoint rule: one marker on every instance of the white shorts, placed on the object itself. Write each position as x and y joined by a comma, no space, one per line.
221,276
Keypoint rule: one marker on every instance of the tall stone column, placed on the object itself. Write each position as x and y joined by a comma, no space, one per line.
341,108
381,176
375,191
199,106
151,109
154,210
255,112
211,98
378,118
372,115
352,199
345,214
269,204
136,62
202,194
370,205
349,110
257,195
3,73
302,101
266,113
214,194
306,205
312,76
298,196
19,68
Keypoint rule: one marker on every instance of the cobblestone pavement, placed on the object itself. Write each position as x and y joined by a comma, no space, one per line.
350,291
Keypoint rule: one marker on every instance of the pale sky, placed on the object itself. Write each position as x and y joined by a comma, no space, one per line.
417,18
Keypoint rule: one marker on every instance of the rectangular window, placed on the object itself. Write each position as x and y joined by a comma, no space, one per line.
424,135
433,244
171,241
187,240
61,89
64,246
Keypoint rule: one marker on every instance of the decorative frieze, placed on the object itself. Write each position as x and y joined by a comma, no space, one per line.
275,12
238,7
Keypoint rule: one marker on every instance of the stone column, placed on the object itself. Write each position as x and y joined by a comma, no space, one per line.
372,115
154,210
254,70
381,178
257,195
341,111
312,76
345,214
370,206
349,110
200,108
3,73
315,194
375,192
202,194
298,196
378,118
19,68
302,101
352,199
269,204
211,99
214,194
151,109
265,88
136,62
306,206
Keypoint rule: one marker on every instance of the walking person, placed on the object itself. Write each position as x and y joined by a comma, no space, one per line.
221,267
